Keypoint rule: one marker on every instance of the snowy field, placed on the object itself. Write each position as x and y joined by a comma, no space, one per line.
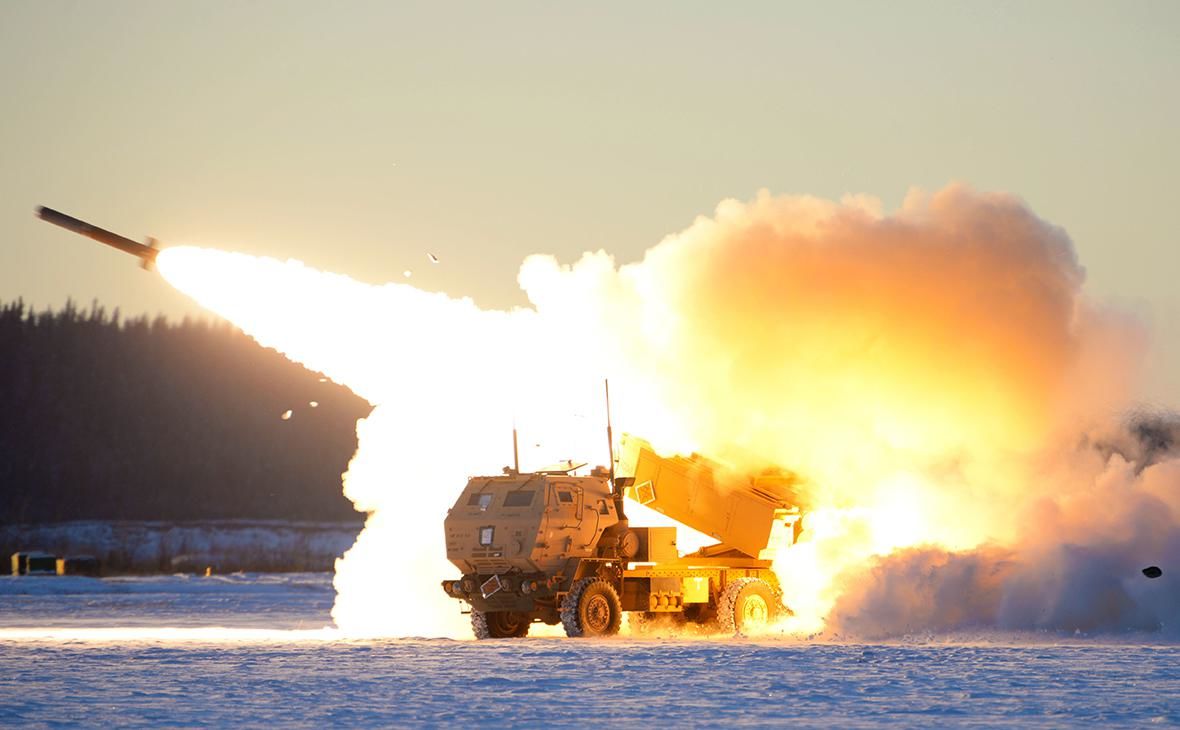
245,650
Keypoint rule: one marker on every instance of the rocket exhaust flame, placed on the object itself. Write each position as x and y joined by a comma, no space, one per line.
929,373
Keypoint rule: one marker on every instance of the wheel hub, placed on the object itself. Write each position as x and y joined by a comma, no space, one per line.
755,611
597,614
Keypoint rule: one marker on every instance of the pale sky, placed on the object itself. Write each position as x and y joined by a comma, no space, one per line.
361,136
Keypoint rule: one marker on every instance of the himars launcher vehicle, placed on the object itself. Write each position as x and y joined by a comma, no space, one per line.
555,548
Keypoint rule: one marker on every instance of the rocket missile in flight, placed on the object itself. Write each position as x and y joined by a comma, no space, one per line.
145,252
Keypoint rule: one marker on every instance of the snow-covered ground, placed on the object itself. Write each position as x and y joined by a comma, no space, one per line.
247,650
250,600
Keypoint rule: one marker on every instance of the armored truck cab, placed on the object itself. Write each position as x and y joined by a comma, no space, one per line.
528,523
520,538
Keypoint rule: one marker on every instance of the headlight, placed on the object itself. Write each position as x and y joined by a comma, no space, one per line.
457,587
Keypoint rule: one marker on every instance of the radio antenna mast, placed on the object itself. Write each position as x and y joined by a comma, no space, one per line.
610,437
515,450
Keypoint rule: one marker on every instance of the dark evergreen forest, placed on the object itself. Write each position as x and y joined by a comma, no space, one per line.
143,419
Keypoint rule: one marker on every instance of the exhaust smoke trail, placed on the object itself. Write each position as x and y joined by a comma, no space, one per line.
1107,507
929,373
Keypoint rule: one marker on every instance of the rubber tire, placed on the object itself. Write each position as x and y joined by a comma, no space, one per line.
499,624
731,607
581,610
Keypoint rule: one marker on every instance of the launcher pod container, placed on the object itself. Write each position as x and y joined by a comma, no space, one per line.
550,547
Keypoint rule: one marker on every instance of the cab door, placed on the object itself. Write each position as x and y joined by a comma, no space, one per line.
565,505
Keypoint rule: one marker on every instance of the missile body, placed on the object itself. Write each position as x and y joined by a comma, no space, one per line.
146,253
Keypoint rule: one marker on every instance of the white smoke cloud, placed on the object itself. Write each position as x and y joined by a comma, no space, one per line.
921,370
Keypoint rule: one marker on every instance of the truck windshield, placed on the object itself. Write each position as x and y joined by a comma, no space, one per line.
483,500
522,498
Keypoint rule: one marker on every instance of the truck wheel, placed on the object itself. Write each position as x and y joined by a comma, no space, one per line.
746,604
592,608
499,624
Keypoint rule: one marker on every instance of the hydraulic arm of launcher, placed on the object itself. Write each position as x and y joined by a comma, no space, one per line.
742,513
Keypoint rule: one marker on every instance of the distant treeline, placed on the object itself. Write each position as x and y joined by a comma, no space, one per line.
144,419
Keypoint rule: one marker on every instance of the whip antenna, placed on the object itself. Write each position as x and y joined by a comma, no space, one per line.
515,450
610,437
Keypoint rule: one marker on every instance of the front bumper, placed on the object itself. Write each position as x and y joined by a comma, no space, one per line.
500,592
